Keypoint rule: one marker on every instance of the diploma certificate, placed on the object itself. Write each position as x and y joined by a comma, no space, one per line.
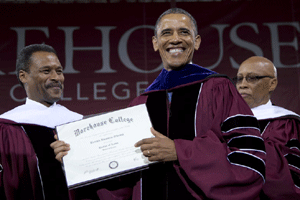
102,147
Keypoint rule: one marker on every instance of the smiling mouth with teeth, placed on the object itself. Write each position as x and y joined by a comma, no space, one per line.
175,50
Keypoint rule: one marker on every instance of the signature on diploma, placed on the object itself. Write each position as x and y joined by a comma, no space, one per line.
91,171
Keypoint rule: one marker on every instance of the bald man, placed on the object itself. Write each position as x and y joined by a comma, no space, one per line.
256,80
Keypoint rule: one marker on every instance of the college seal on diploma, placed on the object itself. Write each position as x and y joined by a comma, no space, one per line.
113,164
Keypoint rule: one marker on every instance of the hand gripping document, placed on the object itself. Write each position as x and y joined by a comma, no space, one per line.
102,147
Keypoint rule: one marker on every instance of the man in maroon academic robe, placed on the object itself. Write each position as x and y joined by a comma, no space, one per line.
256,80
28,168
207,140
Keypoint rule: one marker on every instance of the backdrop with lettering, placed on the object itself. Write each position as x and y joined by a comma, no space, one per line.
107,54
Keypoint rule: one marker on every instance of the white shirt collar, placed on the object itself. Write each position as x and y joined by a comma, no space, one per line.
268,111
33,112
35,103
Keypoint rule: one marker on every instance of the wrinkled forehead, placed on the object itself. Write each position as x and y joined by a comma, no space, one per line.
175,21
43,59
257,68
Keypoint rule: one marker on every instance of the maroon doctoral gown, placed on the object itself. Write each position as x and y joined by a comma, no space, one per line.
280,130
28,168
220,151
221,154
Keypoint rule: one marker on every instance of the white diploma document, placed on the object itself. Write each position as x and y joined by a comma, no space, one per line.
102,147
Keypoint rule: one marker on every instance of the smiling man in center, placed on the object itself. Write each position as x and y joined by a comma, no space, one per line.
206,139
176,41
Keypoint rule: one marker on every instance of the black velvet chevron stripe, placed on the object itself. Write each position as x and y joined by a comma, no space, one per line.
239,122
295,178
248,161
293,144
247,142
293,160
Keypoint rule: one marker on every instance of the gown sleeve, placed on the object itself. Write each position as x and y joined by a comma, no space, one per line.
283,160
19,177
226,159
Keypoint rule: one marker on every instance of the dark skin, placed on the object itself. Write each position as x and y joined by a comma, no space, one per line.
259,92
176,43
44,82
60,148
160,148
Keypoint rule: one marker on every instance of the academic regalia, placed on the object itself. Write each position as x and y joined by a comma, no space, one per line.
28,168
220,151
280,130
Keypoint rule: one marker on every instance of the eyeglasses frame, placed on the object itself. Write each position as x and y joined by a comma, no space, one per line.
235,79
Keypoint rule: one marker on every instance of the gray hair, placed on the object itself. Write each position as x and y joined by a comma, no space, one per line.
176,11
275,71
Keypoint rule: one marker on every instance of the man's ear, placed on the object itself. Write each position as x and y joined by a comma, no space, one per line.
273,84
197,42
154,42
23,76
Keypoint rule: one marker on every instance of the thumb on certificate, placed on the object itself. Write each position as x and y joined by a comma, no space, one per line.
156,133
60,155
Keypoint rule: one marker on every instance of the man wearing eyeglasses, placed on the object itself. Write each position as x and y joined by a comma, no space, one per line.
256,80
